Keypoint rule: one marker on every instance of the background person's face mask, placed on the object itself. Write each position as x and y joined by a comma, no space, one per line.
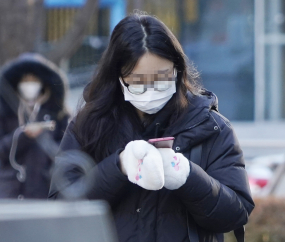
154,98
30,90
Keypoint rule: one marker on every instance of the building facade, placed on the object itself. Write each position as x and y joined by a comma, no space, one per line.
236,45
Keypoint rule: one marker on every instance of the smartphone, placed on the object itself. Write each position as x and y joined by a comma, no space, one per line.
165,142
49,125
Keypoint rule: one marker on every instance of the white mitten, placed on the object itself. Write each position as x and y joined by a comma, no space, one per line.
176,168
143,165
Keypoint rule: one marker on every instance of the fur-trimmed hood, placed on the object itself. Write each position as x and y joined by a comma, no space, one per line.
51,77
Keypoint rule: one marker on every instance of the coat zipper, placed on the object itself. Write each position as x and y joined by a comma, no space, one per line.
192,235
188,232
157,125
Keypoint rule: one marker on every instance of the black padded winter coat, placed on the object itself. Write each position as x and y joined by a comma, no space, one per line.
34,155
215,198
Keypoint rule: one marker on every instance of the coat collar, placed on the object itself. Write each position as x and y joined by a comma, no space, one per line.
198,112
196,115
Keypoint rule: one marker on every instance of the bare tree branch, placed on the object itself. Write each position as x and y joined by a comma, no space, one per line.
65,47
20,22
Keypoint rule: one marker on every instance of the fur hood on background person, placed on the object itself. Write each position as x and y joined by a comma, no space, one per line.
53,79
35,155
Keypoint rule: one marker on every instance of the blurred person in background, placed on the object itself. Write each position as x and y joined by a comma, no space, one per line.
144,88
33,118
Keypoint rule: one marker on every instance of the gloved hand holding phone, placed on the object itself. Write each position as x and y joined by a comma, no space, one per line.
33,130
142,163
176,168
152,167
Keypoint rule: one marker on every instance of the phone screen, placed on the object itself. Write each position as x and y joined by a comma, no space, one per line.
165,142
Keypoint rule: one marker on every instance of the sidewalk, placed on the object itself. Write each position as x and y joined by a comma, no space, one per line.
260,138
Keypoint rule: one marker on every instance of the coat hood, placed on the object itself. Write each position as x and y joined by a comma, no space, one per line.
51,77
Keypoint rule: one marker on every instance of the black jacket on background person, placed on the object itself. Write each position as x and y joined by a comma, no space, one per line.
215,198
36,155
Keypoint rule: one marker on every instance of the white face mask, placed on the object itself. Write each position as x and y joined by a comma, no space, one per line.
30,90
150,101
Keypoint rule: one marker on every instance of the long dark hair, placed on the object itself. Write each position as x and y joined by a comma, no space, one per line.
107,122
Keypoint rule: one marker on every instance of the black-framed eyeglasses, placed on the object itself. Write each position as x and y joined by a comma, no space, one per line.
159,82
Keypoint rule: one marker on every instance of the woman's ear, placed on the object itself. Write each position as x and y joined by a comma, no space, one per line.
174,72
122,87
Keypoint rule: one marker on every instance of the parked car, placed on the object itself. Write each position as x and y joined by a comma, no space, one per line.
262,171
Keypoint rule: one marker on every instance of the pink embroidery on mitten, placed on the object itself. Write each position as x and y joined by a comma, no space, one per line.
137,177
140,162
175,165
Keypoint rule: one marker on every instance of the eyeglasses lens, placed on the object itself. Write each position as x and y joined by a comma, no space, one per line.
139,83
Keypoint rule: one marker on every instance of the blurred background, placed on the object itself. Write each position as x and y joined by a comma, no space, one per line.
236,45
217,35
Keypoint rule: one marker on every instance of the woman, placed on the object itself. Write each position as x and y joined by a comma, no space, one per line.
145,89
33,118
